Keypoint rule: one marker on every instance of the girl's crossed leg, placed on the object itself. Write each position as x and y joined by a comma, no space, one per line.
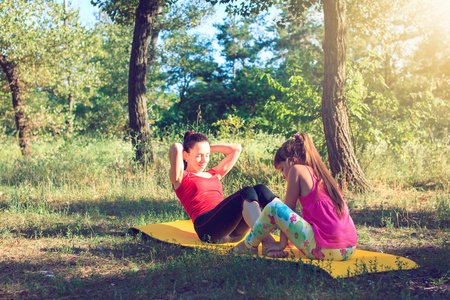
299,232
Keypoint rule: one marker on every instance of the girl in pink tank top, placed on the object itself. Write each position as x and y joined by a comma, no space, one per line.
326,230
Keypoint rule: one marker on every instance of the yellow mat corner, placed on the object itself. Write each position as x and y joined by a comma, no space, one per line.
363,262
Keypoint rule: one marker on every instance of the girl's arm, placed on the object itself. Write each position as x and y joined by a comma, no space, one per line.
176,164
299,183
292,188
232,152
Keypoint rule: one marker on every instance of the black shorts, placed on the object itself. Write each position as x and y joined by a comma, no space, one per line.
226,218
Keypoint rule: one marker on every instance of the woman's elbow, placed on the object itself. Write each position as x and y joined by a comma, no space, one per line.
175,150
175,147
238,148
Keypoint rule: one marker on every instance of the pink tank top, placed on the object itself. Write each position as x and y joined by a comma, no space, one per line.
330,231
198,194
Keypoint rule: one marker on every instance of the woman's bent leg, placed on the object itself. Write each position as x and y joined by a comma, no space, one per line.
234,215
218,223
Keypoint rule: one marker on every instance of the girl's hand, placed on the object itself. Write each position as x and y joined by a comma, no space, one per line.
275,250
274,247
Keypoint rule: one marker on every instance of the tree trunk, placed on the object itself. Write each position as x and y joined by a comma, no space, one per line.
341,156
154,39
146,14
22,125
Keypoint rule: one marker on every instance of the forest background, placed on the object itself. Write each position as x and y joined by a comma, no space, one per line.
253,73
253,80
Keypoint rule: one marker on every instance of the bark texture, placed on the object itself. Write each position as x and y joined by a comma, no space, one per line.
146,15
341,155
23,127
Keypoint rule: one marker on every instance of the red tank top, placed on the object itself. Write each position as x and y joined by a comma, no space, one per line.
198,194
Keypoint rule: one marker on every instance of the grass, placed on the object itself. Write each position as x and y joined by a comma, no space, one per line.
65,214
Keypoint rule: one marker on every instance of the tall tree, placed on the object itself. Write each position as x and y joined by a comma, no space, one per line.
28,44
239,45
341,156
147,27
144,13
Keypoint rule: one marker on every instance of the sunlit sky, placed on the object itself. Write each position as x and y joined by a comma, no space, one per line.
438,16
87,10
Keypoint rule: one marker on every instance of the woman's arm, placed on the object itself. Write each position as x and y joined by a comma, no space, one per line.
176,164
232,152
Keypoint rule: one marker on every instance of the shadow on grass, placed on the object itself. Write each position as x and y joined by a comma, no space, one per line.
400,218
104,218
145,268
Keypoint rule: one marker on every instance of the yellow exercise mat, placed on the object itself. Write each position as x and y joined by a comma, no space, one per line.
362,262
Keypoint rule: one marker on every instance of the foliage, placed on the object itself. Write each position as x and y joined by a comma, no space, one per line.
254,7
32,35
55,63
120,11
296,109
240,47
405,99
232,89
106,112
397,73
297,43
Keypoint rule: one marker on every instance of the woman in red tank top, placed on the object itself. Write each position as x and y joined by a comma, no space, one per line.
215,219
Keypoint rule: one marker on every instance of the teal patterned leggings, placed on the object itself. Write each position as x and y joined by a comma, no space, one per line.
299,232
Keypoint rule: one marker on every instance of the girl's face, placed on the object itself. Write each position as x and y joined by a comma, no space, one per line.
198,157
284,167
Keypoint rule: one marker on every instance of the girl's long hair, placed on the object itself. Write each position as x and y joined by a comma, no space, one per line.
302,148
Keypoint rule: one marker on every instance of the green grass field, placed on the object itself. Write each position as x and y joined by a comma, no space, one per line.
65,214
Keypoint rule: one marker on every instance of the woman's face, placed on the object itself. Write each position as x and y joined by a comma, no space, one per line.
284,167
197,158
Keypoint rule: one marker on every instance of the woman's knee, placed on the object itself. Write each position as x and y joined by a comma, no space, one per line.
261,189
248,193
265,195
